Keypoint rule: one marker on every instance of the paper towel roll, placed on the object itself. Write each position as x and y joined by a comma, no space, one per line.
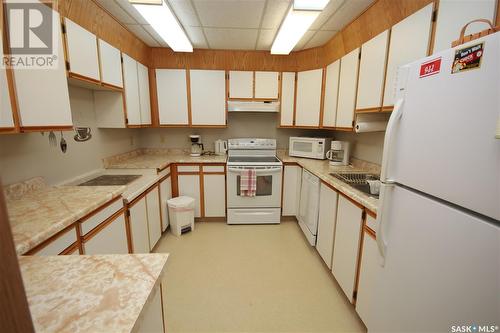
370,126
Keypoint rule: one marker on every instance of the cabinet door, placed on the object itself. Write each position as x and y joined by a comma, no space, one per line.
346,245
326,223
144,96
287,98
453,15
240,84
59,244
44,104
331,94
189,185
6,117
403,50
138,220
208,97
81,46
308,98
266,85
154,216
171,90
292,179
347,89
112,239
367,272
165,194
131,82
111,64
372,72
152,314
214,187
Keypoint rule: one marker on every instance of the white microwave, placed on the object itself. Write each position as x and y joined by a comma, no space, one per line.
309,147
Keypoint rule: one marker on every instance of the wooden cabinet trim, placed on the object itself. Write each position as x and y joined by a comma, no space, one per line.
372,214
322,102
102,225
10,79
359,258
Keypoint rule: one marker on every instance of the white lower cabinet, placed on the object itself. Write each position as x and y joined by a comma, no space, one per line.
165,194
152,316
346,245
367,271
326,223
292,180
154,216
112,239
189,185
214,188
58,245
138,220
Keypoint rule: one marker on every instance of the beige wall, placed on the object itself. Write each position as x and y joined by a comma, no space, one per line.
23,156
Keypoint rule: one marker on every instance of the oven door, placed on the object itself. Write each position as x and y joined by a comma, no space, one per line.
268,192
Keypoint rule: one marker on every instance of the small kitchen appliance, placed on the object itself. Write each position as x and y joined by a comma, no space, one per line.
339,153
220,147
308,147
196,145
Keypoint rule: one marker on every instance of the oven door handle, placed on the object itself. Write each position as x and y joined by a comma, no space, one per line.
257,169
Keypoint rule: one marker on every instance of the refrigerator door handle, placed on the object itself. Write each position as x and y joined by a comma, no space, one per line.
389,133
380,236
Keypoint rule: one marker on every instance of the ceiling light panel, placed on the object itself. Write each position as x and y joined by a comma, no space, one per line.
294,26
158,14
310,4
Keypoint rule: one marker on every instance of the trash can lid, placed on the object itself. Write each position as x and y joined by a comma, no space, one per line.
179,202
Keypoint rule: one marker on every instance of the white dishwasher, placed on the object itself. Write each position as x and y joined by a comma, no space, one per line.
309,206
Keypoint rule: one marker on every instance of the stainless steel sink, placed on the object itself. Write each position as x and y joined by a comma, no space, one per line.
357,180
110,180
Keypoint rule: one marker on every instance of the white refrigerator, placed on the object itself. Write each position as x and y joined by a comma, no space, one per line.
438,220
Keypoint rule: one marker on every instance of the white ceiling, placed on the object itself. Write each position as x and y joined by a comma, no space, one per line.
237,24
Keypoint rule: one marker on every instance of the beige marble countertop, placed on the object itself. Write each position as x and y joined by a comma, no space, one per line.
322,169
40,213
157,159
101,293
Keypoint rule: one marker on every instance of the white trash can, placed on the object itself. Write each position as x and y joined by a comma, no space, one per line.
181,214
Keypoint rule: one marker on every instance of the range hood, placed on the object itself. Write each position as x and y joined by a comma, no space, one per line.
253,106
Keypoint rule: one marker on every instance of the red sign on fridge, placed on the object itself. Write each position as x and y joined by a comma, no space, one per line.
430,67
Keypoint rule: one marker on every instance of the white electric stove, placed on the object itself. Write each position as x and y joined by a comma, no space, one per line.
265,206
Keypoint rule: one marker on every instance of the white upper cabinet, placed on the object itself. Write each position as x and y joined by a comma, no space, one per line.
42,95
172,96
111,64
266,85
347,89
144,96
372,71
309,98
287,98
453,15
83,56
409,42
6,118
240,84
331,94
131,83
208,97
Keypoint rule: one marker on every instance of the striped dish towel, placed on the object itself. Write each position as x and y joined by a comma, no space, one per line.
248,183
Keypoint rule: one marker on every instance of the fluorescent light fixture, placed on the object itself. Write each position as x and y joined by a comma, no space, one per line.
309,4
292,29
158,14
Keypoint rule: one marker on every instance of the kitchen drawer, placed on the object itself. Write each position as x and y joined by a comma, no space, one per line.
371,222
96,219
213,168
164,172
188,168
253,216
58,245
